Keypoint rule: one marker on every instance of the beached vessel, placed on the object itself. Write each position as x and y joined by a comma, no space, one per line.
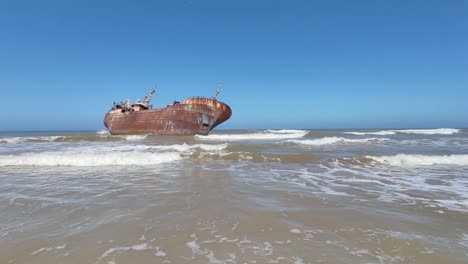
198,115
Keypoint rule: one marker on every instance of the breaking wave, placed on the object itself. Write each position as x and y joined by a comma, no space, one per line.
437,131
134,137
421,160
186,147
142,155
263,135
29,139
88,159
333,140
102,132
101,136
378,133
284,131
175,147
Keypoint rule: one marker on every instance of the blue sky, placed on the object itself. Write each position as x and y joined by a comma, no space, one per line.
284,64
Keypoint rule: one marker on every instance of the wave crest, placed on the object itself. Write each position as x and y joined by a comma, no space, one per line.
378,133
186,147
14,140
421,160
263,135
134,137
88,159
284,131
437,131
120,155
334,140
103,132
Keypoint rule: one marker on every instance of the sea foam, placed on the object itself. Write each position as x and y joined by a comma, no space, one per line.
186,147
284,131
103,132
88,159
107,155
263,135
142,147
437,131
378,133
333,140
28,139
135,137
421,160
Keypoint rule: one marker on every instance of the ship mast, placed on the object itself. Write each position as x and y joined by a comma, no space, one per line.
215,97
147,99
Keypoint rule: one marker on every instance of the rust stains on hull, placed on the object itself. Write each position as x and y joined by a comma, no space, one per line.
193,116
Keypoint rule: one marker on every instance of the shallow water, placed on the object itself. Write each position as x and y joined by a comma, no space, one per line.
270,196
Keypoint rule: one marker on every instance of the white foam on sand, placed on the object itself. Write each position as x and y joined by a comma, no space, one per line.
158,252
262,135
58,247
421,160
295,231
437,131
197,249
334,140
139,247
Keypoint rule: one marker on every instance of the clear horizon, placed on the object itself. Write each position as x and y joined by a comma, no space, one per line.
320,65
253,129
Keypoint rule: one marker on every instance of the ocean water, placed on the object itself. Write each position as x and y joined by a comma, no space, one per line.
264,196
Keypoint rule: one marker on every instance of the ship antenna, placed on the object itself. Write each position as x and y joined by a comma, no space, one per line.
215,97
148,97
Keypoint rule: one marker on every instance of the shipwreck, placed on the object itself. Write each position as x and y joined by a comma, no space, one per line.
197,115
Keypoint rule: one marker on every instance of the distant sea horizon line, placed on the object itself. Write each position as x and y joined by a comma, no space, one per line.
249,129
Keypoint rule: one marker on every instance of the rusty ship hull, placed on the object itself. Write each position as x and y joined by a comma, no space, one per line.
193,116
